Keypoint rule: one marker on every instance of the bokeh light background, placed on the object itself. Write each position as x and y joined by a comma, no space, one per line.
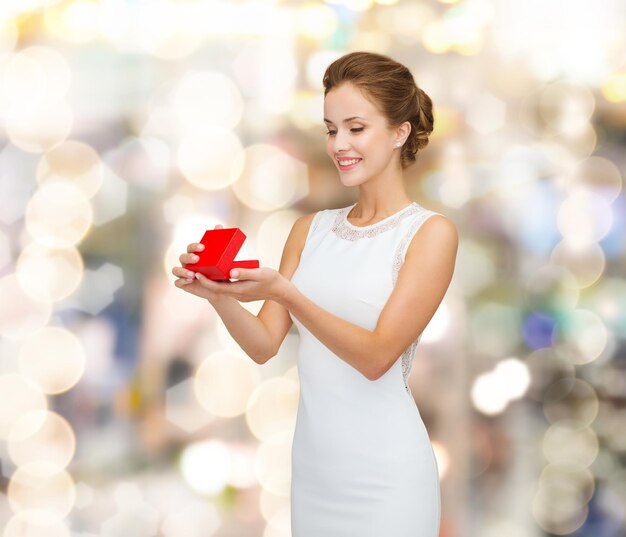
128,127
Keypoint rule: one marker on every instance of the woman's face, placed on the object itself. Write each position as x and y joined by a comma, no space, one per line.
359,140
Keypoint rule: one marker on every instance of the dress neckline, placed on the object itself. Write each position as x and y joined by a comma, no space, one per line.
347,210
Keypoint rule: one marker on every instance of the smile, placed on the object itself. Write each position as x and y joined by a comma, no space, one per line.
348,164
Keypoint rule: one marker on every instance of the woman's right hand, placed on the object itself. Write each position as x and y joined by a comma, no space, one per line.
187,278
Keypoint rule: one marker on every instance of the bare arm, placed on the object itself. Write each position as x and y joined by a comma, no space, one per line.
260,336
421,286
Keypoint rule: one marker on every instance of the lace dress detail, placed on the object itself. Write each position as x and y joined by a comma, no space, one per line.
342,228
398,259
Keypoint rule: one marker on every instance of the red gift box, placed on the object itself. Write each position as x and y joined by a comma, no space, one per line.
220,248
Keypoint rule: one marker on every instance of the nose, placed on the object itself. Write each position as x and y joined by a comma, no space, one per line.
340,141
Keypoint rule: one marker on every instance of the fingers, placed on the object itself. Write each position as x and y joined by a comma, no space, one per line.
188,258
195,247
183,273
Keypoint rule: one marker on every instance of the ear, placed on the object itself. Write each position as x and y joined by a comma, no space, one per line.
402,132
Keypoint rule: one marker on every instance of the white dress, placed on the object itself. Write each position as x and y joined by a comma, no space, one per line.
362,461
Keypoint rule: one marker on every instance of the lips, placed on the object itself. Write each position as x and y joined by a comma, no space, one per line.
347,163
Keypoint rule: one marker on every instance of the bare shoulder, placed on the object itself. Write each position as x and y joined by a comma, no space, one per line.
298,234
437,231
295,243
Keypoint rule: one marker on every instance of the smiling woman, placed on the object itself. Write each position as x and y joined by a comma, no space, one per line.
362,460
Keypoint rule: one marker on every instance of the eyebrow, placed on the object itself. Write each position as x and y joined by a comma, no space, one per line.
345,120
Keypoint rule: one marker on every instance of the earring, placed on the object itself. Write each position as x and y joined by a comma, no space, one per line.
398,144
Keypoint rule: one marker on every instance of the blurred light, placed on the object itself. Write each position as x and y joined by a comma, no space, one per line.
442,457
271,507
29,524
538,330
17,397
42,489
74,162
97,289
566,107
224,382
571,398
196,519
372,40
143,161
17,182
166,30
316,66
355,5
494,328
183,409
614,87
203,100
514,374
212,160
32,79
572,40
205,466
41,128
273,462
49,275
20,315
476,267
545,367
608,299
222,18
586,262
307,109
134,515
408,20
492,391
487,114
272,407
560,502
315,20
58,215
272,235
551,288
8,36
584,217
175,207
41,436
5,251
598,176
111,199
242,468
53,359
582,336
570,442
76,21
271,179
496,527
460,28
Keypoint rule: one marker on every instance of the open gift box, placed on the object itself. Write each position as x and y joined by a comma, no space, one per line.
218,257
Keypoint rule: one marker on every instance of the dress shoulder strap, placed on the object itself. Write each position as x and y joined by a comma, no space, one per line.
403,245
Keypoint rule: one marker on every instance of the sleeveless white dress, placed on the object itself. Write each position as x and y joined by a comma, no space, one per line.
362,461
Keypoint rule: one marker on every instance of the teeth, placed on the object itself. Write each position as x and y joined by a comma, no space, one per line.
348,162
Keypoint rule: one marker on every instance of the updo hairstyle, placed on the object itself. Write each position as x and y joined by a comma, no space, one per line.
392,89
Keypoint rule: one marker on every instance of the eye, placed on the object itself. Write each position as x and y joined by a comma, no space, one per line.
330,133
357,129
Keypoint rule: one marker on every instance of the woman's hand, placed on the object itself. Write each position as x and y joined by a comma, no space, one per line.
254,283
187,278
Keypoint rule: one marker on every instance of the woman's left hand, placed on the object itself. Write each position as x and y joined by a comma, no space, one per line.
253,284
